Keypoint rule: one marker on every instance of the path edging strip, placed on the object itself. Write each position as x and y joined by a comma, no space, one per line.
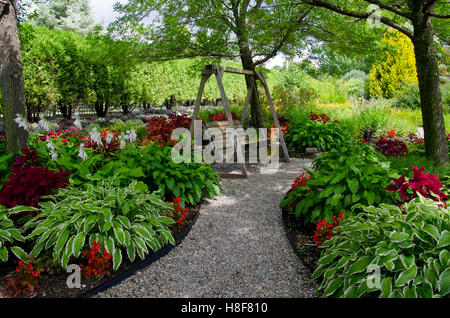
144,263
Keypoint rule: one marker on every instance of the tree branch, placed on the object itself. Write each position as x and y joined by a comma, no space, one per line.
440,16
254,11
283,39
393,9
428,5
355,14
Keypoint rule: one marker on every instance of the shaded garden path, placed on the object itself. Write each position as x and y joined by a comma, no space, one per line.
237,248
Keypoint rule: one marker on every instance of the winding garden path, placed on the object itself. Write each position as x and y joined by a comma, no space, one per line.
237,248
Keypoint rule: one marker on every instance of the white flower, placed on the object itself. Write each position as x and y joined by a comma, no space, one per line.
21,122
82,153
77,124
50,144
132,136
109,138
54,155
95,136
122,141
43,123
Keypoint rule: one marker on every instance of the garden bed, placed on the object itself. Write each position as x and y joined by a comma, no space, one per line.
301,239
55,285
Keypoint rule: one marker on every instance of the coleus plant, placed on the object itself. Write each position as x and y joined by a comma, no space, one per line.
322,118
160,128
389,145
428,185
29,180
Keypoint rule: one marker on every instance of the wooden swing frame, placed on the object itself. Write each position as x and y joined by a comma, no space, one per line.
219,71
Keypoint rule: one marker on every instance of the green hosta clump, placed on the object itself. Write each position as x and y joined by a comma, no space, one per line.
389,252
315,134
343,177
10,234
122,219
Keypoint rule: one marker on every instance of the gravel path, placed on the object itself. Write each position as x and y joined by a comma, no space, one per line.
237,248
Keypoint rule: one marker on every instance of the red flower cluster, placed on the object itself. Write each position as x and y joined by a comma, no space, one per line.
222,117
98,262
160,128
300,181
63,134
285,126
324,230
180,215
428,185
390,134
322,118
26,280
29,180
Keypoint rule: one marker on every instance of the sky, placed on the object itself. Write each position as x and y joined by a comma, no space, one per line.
102,11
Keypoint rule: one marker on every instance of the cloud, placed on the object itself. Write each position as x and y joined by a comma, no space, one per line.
102,10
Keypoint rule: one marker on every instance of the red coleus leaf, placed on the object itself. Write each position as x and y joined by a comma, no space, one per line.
29,180
428,185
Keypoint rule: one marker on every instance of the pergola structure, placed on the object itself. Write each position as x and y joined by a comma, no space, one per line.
219,72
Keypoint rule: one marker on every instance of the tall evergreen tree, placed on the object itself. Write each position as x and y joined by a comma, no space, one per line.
71,15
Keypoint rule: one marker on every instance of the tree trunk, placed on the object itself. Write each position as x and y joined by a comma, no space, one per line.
255,106
430,92
11,78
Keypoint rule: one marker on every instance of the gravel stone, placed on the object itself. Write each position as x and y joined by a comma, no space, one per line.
237,248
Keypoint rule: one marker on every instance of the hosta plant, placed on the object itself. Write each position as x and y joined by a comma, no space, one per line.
315,134
343,178
124,220
10,235
389,252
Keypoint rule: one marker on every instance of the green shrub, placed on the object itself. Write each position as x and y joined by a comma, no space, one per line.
151,164
119,218
445,88
354,74
409,252
408,97
324,136
343,177
154,166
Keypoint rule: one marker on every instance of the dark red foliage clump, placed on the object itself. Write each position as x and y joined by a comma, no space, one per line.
322,118
428,185
160,128
29,180
391,147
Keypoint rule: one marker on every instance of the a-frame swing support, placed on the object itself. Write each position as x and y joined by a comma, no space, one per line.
219,71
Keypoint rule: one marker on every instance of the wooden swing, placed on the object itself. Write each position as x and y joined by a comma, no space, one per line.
219,71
